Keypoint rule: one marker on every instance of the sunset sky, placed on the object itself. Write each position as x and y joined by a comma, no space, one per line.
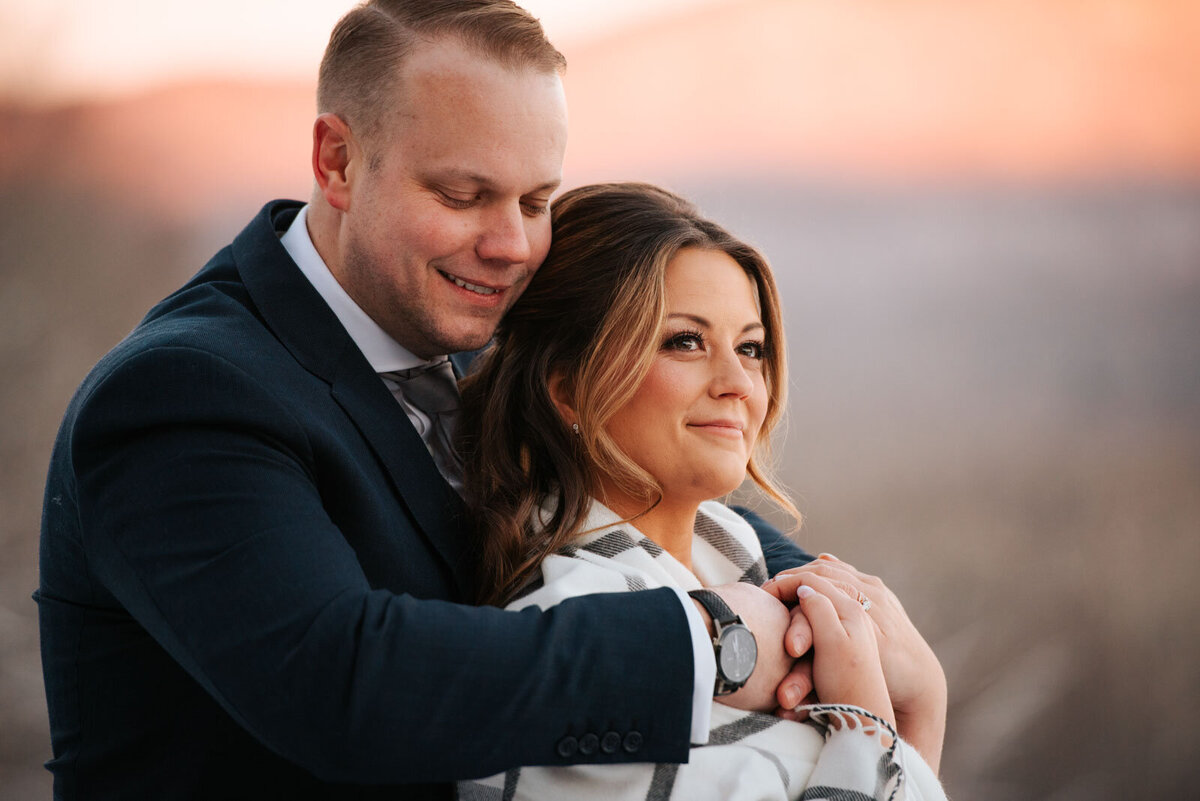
861,90
68,49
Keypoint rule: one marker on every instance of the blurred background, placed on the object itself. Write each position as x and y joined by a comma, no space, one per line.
985,220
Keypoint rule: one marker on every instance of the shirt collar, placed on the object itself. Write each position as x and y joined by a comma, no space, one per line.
383,353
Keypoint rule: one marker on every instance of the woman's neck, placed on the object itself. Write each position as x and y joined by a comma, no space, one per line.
670,525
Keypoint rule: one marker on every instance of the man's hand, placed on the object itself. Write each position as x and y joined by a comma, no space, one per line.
768,619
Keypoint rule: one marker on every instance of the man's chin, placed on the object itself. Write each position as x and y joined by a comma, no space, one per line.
467,341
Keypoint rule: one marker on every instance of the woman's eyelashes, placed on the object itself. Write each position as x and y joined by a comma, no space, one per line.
693,341
754,349
685,341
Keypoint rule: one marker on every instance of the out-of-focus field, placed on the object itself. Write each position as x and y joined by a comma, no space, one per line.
995,405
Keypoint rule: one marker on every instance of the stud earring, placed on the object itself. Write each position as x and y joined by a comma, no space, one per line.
575,428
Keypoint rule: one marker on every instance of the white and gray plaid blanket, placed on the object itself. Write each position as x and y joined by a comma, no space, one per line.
748,756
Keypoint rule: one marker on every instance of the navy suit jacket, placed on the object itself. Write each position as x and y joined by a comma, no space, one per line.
253,578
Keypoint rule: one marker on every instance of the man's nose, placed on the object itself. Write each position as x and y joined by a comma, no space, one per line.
505,238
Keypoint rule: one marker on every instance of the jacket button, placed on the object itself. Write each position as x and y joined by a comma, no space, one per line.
567,747
633,742
589,744
610,743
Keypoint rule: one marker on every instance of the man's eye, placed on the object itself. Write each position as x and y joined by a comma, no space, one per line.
534,209
457,202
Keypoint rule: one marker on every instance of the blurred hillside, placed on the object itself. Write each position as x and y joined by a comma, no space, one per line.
985,220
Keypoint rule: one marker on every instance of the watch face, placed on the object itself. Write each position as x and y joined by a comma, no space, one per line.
738,653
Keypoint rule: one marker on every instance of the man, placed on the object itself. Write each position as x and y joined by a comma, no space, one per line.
252,573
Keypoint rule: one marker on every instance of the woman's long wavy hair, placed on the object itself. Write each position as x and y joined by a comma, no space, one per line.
591,319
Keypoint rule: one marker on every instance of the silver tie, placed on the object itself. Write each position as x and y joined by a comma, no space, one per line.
433,390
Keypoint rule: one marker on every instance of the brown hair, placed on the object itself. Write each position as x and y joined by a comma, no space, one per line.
591,317
357,80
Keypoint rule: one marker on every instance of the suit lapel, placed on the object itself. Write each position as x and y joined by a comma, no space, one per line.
300,318
438,509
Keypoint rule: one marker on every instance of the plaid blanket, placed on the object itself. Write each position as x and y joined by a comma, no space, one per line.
748,756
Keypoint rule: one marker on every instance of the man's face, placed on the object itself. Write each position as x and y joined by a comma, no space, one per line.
448,215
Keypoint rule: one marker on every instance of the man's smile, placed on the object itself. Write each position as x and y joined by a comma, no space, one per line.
478,289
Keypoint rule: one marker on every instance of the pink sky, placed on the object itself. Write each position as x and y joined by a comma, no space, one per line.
865,90
66,49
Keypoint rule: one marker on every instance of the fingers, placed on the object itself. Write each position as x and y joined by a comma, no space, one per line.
784,585
797,685
830,566
798,715
821,597
846,664
853,582
799,634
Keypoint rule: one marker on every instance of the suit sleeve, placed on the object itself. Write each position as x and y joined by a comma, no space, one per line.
206,522
780,552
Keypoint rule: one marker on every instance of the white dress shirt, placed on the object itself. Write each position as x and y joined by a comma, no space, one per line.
385,354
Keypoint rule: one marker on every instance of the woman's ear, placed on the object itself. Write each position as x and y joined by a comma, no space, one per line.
562,399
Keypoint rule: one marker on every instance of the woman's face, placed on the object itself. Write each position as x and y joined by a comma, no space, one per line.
694,421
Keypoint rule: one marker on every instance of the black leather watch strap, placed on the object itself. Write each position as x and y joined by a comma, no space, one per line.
734,647
716,607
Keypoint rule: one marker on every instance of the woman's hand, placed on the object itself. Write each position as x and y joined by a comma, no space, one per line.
846,667
915,680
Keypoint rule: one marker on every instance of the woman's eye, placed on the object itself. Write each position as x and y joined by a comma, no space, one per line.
685,342
753,350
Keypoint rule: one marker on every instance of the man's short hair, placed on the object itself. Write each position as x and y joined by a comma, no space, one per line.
357,80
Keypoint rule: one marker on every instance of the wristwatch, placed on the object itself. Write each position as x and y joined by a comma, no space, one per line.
733,643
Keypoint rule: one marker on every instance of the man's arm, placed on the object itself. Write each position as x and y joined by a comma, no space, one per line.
207,523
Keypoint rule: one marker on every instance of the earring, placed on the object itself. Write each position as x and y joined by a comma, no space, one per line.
575,428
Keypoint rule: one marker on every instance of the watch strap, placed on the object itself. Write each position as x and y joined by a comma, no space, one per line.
724,621
716,607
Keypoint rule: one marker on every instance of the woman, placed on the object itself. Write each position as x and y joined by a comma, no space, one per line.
638,378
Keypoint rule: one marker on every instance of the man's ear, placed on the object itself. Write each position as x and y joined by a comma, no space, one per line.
562,399
334,159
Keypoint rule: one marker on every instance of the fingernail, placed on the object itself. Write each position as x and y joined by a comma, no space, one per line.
791,697
799,646
828,556
804,591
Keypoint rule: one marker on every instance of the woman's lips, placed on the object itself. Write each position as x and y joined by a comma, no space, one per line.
725,428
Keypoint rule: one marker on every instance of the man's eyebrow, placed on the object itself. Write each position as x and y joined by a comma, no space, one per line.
704,323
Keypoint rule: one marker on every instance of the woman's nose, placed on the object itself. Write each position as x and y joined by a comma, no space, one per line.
730,377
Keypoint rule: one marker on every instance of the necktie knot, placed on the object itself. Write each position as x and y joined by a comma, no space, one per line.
432,388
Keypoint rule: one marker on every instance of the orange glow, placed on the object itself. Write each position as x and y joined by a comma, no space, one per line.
924,90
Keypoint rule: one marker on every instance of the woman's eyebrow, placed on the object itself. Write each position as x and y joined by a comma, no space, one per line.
704,323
